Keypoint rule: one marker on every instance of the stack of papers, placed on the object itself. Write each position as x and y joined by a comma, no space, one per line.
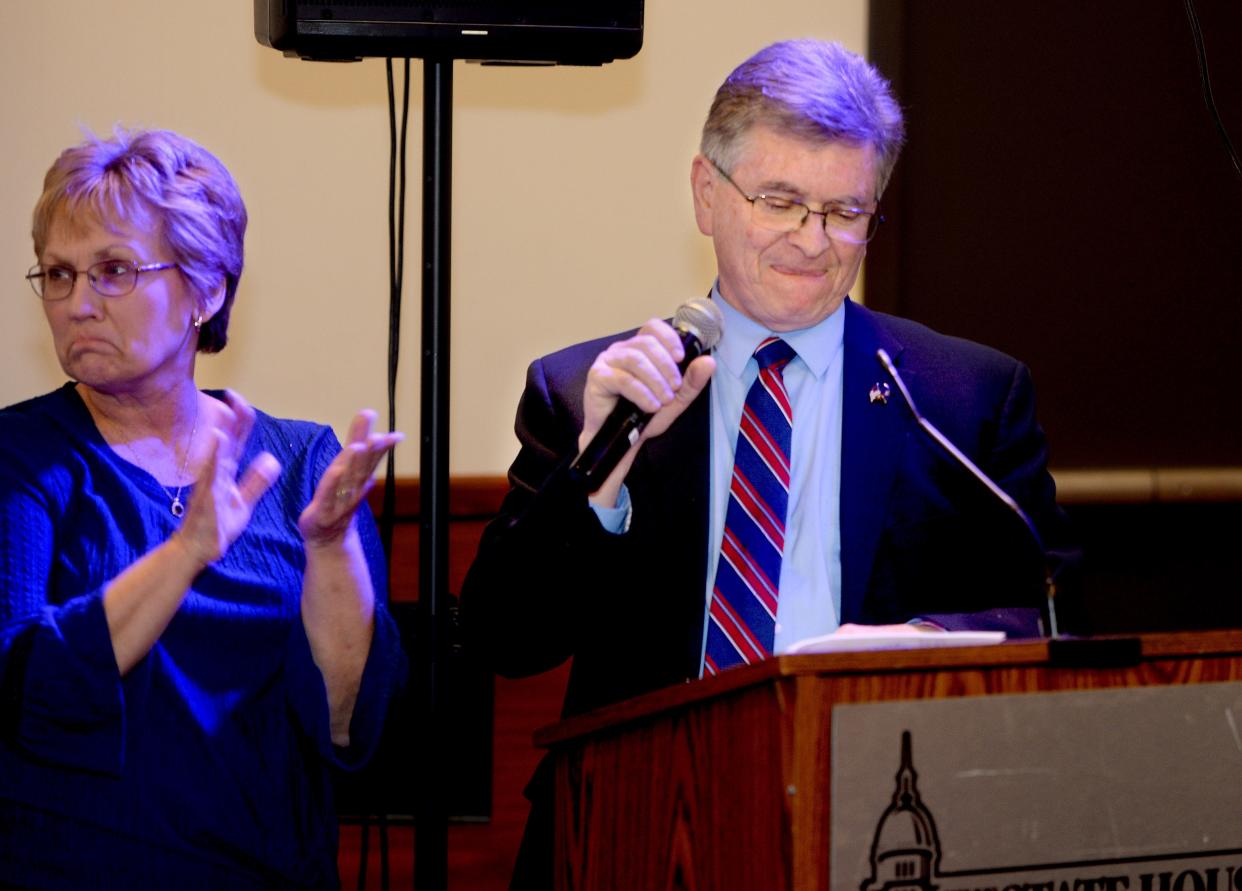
860,641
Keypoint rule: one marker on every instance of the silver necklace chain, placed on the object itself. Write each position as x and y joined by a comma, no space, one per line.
177,506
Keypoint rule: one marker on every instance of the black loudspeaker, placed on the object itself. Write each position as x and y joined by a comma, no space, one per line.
548,32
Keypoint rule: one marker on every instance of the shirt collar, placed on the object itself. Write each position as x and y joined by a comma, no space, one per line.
816,346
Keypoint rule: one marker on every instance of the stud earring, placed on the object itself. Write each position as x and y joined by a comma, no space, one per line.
198,322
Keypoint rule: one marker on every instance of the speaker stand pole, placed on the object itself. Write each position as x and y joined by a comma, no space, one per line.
431,822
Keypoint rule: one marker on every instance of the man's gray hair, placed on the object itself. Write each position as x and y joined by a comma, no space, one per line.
811,90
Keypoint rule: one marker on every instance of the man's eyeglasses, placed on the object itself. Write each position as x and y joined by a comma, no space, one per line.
842,222
109,278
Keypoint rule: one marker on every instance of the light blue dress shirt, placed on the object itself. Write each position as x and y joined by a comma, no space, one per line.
810,585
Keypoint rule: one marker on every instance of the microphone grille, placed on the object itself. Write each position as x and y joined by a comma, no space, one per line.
702,318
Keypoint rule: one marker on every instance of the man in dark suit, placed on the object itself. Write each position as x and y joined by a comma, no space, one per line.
875,527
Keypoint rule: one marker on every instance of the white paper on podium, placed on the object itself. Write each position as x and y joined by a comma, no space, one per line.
887,640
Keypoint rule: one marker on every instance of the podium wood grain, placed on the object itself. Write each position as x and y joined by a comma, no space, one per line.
725,783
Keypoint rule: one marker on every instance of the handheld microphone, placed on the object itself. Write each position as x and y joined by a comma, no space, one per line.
699,324
1050,587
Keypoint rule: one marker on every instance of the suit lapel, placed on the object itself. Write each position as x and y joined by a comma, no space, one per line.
872,437
678,465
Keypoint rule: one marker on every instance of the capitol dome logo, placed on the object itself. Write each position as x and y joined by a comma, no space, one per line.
905,855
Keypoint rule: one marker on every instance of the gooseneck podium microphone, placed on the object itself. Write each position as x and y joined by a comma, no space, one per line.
1050,586
699,324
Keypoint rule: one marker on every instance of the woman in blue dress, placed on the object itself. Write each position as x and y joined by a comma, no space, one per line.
192,629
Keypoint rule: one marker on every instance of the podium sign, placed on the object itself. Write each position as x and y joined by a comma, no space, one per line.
973,769
1137,788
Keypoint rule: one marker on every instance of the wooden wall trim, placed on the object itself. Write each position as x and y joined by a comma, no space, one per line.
470,497
479,497
1149,485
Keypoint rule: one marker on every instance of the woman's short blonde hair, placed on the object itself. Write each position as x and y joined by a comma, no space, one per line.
163,182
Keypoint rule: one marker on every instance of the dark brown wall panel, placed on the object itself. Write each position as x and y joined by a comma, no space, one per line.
1065,196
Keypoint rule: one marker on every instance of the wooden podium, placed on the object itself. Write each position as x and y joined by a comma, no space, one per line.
725,783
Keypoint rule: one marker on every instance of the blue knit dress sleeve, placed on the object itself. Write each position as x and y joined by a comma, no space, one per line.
60,693
385,666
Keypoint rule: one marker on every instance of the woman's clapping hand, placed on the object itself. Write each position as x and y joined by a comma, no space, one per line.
346,482
222,504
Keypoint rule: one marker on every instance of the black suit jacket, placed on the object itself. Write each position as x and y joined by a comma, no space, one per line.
919,537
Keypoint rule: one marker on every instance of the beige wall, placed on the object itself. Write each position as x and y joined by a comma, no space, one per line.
572,213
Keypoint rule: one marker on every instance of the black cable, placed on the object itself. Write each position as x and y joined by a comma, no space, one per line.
383,844
1205,79
396,274
364,852
387,519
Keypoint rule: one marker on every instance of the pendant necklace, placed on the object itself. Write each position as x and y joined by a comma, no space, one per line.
177,506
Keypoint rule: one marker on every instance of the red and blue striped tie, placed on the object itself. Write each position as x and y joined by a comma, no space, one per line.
742,618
